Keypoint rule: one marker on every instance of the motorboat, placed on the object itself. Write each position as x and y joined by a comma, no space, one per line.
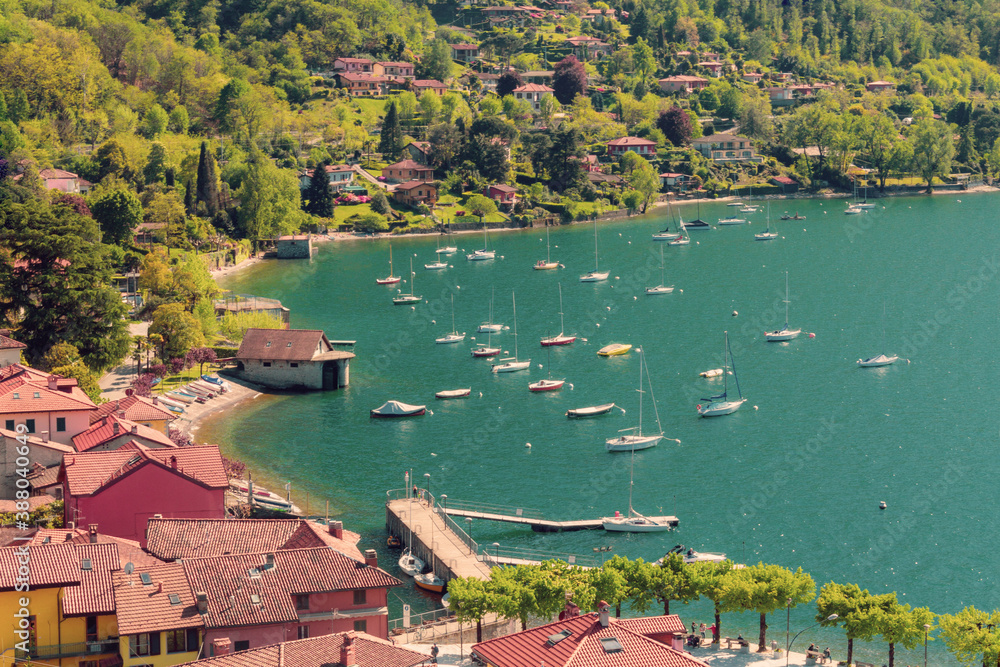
560,338
214,380
430,582
391,279
786,216
403,299
853,210
720,404
596,275
692,556
634,522
614,350
784,333
397,409
454,393
546,385
592,411
485,350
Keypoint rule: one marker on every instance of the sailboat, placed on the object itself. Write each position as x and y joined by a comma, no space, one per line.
547,384
860,204
436,266
732,220
879,359
490,326
547,263
511,364
684,238
666,234
767,234
749,207
561,338
635,439
697,223
633,522
783,333
661,288
486,349
445,250
454,336
485,253
596,275
721,405
409,563
408,298
391,279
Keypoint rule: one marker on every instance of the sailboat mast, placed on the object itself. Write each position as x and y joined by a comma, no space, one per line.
725,366
413,276
562,324
631,481
641,357
595,246
786,299
514,302
548,248
453,329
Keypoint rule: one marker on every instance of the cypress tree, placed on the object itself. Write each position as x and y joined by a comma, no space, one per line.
189,198
318,195
391,137
208,189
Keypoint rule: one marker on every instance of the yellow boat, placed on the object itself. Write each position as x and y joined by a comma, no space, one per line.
614,350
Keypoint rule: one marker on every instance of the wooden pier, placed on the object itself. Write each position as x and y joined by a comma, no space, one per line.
540,525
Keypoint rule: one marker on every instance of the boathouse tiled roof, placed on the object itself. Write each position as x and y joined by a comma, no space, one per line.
147,607
230,581
282,344
173,539
323,651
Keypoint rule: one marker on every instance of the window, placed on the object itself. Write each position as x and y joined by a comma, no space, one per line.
91,628
9,425
302,602
147,643
294,364
182,641
361,596
361,626
303,632
267,364
243,645
30,423
37,394
60,424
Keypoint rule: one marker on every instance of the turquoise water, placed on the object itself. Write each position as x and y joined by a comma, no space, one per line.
795,477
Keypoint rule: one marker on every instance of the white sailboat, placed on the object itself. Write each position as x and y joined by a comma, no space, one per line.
547,383
784,333
485,253
721,405
511,364
862,205
635,439
455,336
596,275
666,234
409,563
882,359
436,266
767,234
392,278
633,522
445,250
561,338
408,298
490,326
661,288
547,263
732,220
684,238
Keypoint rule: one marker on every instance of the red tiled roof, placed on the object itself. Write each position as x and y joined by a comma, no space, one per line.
784,180
282,344
173,539
136,408
44,477
583,647
105,430
412,185
533,88
463,47
47,174
323,651
390,63
24,389
35,441
229,585
34,502
503,188
7,343
428,83
409,164
147,607
129,551
53,565
355,60
89,472
95,594
631,141
362,76
685,78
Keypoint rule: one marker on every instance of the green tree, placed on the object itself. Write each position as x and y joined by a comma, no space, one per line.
730,103
673,581
59,355
646,181
430,106
17,107
480,206
3,107
270,200
65,294
857,610
755,117
371,222
154,123
207,188
118,212
380,203
156,164
390,141
632,199
179,328
971,635
437,62
767,588
878,136
711,580
612,581
112,161
471,601
643,58
319,198
899,624
933,150
179,120
240,110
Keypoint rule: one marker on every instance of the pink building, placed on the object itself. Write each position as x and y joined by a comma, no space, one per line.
682,83
146,411
122,489
464,52
643,147
421,85
408,170
352,65
393,69
879,86
49,405
64,181
502,194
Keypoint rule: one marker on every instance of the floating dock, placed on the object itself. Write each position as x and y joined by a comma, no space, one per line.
540,525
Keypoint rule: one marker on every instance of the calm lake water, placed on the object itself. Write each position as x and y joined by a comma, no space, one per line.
795,477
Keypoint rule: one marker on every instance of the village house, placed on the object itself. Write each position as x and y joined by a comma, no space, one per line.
357,649
589,163
72,613
113,431
239,303
176,539
682,83
501,194
643,147
122,489
713,66
408,170
585,47
780,95
503,12
49,405
363,85
146,411
10,349
541,77
64,181
593,640
726,148
352,65
788,185
341,176
420,86
257,599
147,233
292,358
489,80
413,193
597,16
393,69
418,151
45,453
879,86
533,94
752,77
464,52
678,182
293,246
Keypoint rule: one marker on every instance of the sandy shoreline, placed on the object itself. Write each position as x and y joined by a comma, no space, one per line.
239,391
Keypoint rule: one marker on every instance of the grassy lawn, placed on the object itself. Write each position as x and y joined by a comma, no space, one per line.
371,106
172,382
342,213
911,180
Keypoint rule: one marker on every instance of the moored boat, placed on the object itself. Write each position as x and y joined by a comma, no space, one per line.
391,279
397,409
720,404
453,393
614,350
592,411
430,582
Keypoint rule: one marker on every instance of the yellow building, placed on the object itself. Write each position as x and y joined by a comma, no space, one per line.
67,615
146,411
158,619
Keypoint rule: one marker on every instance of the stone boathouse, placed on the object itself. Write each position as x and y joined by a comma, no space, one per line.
292,359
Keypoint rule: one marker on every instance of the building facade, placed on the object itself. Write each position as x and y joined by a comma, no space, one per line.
292,358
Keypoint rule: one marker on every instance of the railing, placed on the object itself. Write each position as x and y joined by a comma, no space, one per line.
497,555
415,620
55,651
487,508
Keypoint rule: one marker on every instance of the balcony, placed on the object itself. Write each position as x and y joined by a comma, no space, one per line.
77,649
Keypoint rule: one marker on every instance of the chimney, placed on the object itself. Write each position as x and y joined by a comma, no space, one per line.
677,641
156,400
371,557
221,646
121,414
269,561
347,656
52,380
201,598
603,613
173,462
92,529
336,528
114,428
159,587
135,428
570,610
45,436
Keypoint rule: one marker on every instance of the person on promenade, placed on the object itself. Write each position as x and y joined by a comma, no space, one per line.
434,653
715,633
826,655
702,629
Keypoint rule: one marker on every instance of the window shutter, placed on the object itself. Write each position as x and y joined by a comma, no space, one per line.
154,643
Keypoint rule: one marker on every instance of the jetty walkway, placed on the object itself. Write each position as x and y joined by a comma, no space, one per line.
529,517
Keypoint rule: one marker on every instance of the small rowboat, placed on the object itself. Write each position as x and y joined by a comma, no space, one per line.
715,372
878,360
546,385
593,411
453,393
614,349
397,409
213,380
430,582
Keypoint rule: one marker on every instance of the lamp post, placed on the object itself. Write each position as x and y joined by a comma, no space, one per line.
496,552
788,623
602,551
444,503
927,628
788,648
427,476
472,550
